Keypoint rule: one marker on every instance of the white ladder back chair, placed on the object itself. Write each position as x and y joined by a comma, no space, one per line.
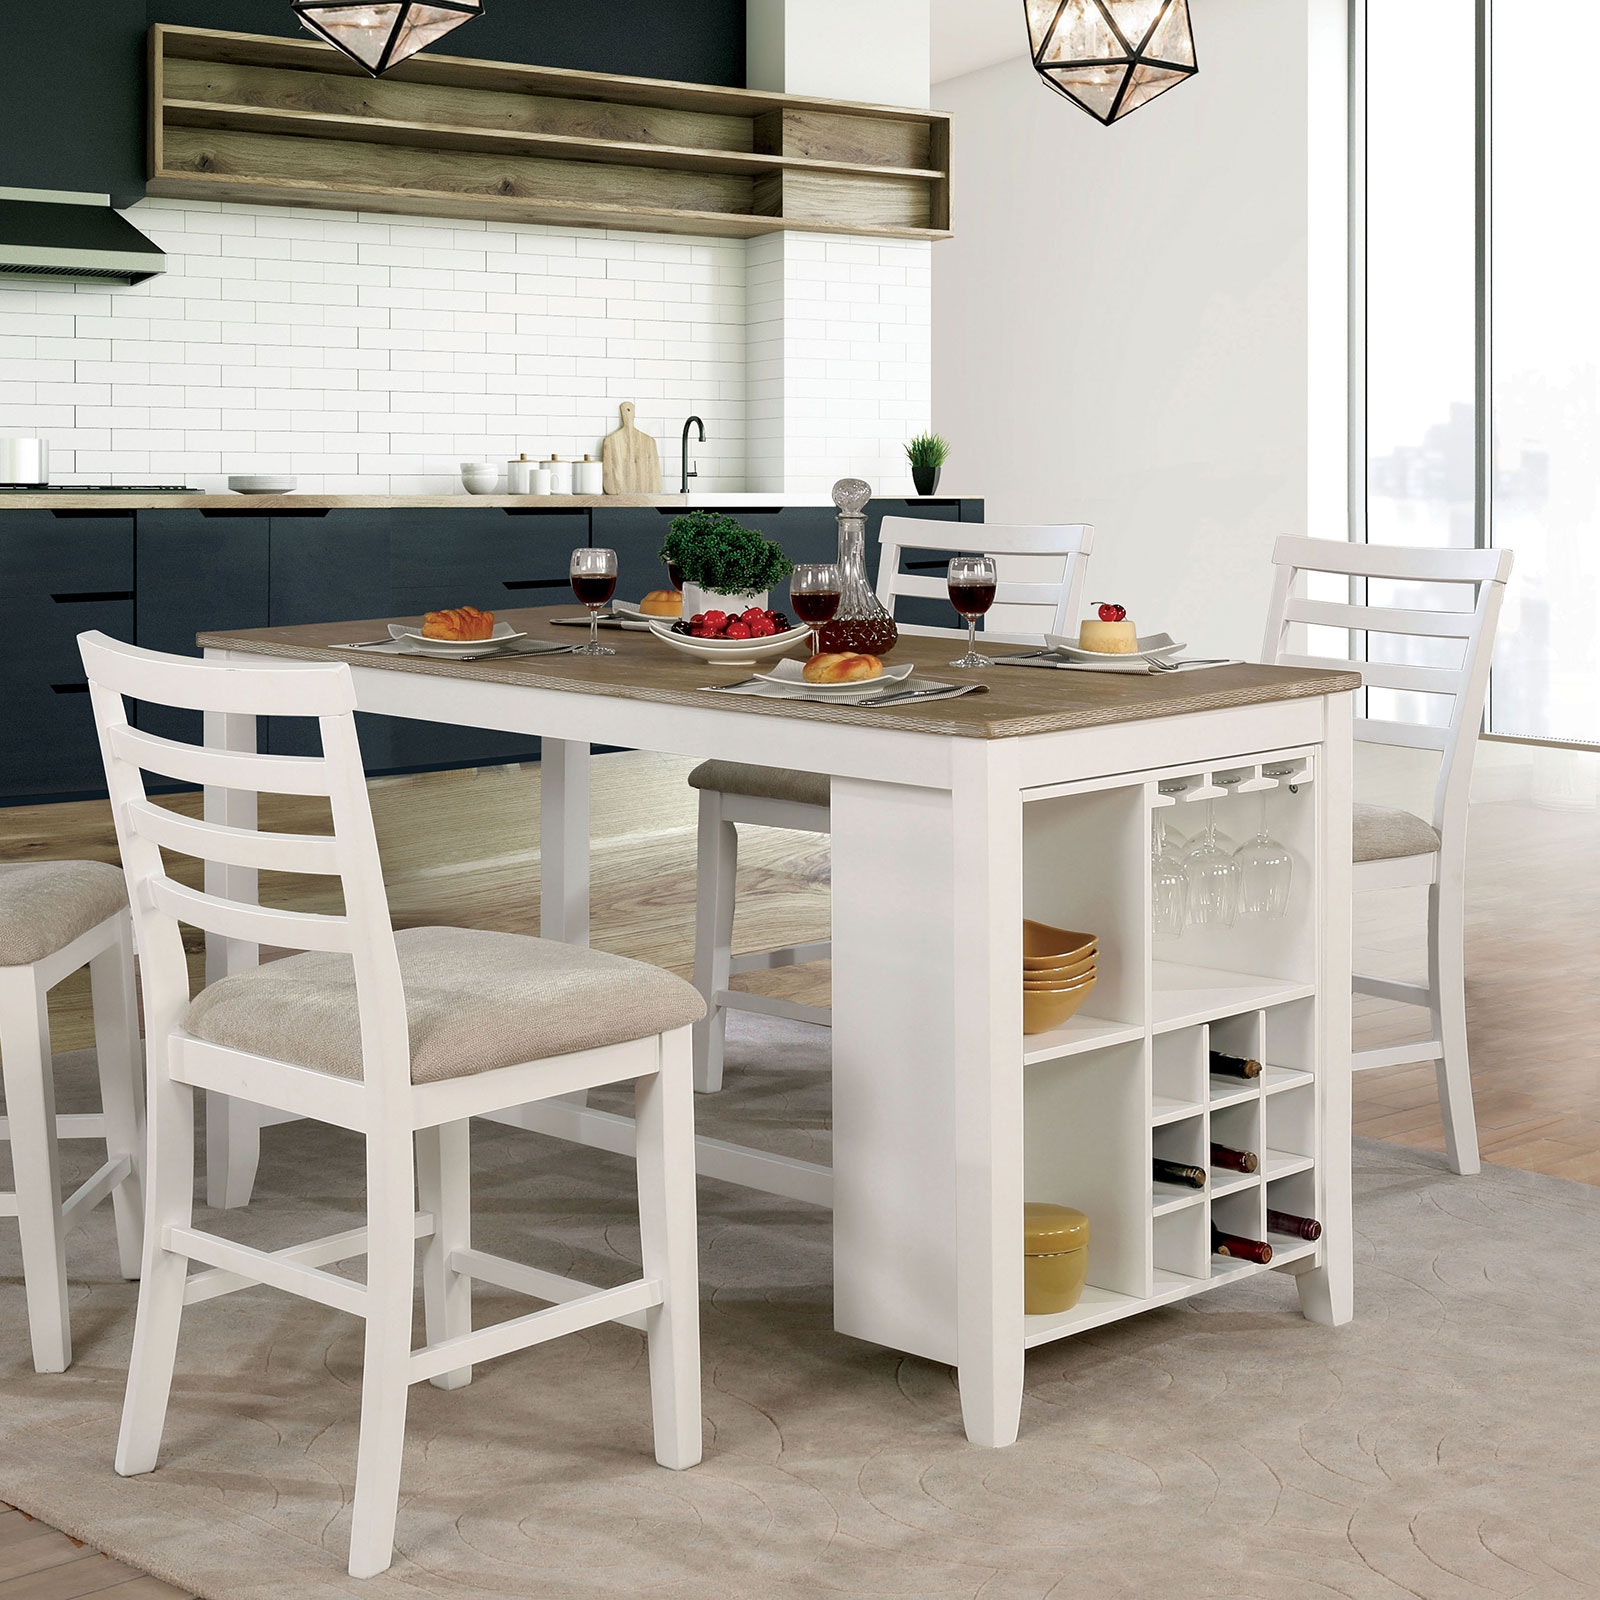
1393,848
57,917
292,1036
1023,610
733,792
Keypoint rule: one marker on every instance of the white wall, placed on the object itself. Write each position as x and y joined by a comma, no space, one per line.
871,50
1133,326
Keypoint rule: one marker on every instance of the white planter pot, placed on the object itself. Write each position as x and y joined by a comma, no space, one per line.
697,600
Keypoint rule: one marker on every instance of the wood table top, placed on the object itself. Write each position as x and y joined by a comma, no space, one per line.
1019,701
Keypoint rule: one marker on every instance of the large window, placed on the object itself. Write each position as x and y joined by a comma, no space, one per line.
1541,327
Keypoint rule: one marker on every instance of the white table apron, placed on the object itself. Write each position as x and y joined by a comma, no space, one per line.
927,1181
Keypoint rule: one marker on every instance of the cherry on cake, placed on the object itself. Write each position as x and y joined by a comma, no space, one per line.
1111,635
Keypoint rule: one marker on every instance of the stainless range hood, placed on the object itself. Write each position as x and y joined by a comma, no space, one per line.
47,235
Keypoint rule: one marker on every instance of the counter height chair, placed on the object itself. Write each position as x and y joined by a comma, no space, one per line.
400,1038
56,917
734,792
1395,848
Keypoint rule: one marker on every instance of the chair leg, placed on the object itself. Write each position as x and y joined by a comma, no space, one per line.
35,1159
444,1187
116,1039
1447,980
233,1151
169,1185
664,1113
717,854
385,1379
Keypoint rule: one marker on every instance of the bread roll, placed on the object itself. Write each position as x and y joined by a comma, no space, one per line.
461,622
841,666
662,603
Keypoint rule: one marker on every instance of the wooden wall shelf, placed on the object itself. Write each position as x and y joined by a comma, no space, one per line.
274,121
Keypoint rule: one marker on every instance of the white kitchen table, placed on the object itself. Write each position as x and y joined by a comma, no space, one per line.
951,822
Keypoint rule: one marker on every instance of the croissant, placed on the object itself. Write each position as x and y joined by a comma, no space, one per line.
461,622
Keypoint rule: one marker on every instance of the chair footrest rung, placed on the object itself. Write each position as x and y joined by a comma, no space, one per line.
534,1282
1410,994
772,1005
787,955
321,1252
466,1350
87,1196
1397,1055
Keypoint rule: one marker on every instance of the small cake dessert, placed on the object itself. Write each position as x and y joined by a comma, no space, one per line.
459,623
1112,635
841,666
662,603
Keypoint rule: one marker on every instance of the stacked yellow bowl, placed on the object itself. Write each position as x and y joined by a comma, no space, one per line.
1057,974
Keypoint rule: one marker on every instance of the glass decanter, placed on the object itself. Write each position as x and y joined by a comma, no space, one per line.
860,623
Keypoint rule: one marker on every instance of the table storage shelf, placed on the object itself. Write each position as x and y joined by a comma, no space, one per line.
1128,1080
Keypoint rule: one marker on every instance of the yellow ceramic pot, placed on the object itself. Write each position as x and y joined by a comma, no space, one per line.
1056,1257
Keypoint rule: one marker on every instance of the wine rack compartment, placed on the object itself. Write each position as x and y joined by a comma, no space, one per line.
1194,1058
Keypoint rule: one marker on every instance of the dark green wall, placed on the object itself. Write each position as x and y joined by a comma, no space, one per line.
72,71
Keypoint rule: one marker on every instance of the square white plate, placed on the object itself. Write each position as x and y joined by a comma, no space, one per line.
1152,647
412,639
791,675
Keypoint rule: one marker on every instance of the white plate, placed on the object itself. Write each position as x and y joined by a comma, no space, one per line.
263,483
791,675
729,652
1152,647
412,639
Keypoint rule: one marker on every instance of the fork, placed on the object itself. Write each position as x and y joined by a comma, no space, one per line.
1189,661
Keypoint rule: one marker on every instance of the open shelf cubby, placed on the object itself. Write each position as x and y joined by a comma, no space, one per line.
278,121
1128,1079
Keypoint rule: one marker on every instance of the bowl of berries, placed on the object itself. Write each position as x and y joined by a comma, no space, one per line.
733,638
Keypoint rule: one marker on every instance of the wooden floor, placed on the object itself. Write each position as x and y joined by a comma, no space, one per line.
460,847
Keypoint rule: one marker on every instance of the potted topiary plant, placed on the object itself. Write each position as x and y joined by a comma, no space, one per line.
927,453
725,565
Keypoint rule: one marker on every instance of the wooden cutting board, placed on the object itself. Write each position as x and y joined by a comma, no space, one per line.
630,459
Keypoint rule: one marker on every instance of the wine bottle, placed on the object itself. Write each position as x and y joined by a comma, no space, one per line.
1233,1160
1230,1244
1294,1227
1226,1066
1178,1172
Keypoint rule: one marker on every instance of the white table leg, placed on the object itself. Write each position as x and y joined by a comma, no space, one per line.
1327,1292
233,1127
927,1081
564,841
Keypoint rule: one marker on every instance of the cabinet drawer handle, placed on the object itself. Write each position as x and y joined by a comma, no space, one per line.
70,688
88,596
536,583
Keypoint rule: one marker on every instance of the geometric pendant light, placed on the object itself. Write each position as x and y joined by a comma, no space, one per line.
378,33
1109,57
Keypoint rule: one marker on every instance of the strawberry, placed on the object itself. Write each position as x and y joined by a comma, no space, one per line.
715,619
737,629
751,614
698,620
1112,613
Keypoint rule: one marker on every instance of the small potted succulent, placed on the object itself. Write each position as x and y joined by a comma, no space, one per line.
927,453
725,565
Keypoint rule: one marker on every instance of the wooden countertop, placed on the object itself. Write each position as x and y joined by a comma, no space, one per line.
1019,701
262,504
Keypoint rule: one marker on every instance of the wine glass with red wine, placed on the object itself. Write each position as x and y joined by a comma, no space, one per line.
972,586
594,581
814,590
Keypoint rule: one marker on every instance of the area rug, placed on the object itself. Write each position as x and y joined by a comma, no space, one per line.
1445,1445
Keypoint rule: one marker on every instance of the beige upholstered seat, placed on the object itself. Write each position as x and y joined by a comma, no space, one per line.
1383,833
475,1001
45,905
762,783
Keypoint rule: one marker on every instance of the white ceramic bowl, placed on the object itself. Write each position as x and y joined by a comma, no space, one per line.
731,652
479,477
263,483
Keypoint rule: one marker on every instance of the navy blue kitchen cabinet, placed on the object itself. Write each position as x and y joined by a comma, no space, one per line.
195,570
61,574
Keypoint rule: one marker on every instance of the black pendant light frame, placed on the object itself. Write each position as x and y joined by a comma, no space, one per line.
1133,59
306,11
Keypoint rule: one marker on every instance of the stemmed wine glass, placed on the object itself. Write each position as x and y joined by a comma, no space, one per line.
972,584
814,589
1213,876
1266,870
594,581
1169,884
